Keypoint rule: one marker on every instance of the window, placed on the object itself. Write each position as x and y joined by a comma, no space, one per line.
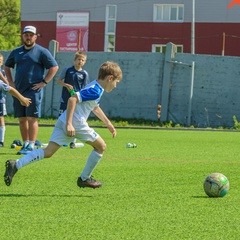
110,28
161,48
168,12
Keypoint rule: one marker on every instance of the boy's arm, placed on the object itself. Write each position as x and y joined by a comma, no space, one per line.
72,101
63,84
8,73
3,78
60,82
101,115
24,101
61,79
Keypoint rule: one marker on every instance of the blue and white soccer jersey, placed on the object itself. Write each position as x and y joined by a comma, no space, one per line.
88,99
3,89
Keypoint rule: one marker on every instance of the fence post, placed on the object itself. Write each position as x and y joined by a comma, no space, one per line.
169,56
47,103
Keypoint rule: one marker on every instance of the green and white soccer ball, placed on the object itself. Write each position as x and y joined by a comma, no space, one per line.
216,185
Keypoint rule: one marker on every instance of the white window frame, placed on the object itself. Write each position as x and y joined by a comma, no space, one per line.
162,12
162,48
110,28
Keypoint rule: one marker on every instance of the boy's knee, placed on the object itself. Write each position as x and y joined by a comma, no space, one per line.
104,146
101,148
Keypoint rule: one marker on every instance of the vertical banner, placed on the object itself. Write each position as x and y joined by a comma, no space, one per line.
72,31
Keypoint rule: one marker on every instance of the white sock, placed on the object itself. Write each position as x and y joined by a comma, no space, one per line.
92,162
32,144
25,143
74,140
33,156
2,133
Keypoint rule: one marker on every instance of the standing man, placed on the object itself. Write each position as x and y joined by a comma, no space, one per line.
31,60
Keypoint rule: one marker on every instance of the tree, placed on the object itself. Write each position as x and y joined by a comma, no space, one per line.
10,28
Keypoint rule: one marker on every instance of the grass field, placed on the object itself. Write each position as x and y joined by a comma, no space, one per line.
154,191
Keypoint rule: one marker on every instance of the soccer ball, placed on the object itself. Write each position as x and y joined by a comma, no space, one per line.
216,185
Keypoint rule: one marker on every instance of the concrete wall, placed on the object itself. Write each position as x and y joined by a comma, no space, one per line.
215,90
210,99
140,90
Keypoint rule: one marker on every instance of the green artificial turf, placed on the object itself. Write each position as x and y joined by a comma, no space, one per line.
154,191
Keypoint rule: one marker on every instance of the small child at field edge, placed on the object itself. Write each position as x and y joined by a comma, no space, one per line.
73,124
3,110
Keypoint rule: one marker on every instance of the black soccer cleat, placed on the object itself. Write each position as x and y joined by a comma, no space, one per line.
10,171
90,182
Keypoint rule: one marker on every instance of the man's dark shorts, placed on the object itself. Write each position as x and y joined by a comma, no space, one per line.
34,109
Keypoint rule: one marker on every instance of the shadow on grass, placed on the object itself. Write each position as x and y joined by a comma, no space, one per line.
200,197
46,195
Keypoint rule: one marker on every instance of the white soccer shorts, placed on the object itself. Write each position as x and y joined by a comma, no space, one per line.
83,133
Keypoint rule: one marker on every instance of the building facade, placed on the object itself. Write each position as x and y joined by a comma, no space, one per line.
211,27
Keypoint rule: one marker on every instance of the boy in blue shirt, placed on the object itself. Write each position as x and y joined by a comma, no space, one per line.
73,79
3,110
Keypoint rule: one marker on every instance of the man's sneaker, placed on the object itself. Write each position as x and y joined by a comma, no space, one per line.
10,171
21,150
28,149
1,144
90,182
25,150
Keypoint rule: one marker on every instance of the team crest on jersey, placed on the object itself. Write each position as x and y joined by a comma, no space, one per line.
80,76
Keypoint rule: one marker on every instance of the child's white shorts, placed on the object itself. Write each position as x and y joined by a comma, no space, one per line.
83,133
